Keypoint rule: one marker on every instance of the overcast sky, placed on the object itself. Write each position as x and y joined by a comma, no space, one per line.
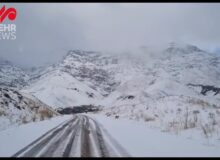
45,32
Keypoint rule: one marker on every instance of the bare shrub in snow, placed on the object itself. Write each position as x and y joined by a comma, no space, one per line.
148,118
179,110
212,118
199,102
42,117
24,120
174,126
45,114
2,113
206,130
34,118
186,118
194,121
108,114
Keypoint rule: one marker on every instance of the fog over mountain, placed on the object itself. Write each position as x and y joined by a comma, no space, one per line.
45,32
111,80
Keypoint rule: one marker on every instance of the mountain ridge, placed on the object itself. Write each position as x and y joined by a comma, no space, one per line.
146,87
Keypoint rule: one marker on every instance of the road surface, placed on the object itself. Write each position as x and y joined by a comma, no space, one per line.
80,136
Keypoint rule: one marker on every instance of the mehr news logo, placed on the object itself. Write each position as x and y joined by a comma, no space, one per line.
7,31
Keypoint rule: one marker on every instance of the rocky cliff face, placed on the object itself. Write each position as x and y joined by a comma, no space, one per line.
91,68
18,108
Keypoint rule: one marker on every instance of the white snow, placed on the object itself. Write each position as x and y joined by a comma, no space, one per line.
162,98
16,138
59,89
140,140
17,108
12,75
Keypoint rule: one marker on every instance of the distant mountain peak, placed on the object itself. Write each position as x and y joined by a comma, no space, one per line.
175,47
80,53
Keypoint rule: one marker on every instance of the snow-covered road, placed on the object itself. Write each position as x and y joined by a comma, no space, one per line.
81,136
92,135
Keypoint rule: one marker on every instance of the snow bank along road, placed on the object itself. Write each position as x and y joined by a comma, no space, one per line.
79,137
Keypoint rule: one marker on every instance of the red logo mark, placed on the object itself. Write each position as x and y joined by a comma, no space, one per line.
10,12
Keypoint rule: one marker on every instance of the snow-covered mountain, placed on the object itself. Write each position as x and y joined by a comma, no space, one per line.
11,75
19,108
81,77
174,88
168,89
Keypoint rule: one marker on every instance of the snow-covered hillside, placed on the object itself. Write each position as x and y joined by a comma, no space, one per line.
18,108
161,91
80,78
60,89
11,75
173,88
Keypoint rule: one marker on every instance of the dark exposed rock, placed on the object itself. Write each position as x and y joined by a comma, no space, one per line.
18,107
96,75
7,96
130,97
126,97
91,95
206,88
79,109
6,103
117,116
20,97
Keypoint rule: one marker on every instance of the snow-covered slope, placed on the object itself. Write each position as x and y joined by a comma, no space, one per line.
171,73
91,68
174,88
19,108
79,79
159,91
59,89
11,75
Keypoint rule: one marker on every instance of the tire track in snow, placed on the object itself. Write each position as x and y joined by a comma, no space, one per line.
40,138
71,141
57,145
80,136
85,139
110,145
36,149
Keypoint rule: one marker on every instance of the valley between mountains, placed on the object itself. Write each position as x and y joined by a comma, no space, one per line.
94,104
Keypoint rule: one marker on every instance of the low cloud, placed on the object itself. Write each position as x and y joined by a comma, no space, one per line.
45,32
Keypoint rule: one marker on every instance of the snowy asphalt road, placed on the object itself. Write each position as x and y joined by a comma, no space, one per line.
79,137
